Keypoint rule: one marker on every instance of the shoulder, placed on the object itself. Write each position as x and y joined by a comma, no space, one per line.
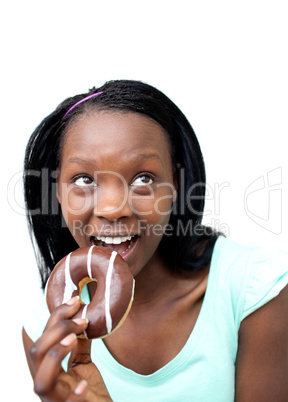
263,345
251,275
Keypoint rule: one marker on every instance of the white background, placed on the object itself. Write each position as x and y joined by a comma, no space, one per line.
224,63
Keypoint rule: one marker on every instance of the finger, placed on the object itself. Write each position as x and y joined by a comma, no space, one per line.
50,367
53,336
79,392
64,311
81,354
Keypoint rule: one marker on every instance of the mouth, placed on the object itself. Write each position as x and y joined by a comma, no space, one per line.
123,245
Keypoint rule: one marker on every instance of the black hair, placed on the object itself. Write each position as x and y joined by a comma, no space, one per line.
187,246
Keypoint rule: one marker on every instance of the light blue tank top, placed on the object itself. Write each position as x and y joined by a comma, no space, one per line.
241,279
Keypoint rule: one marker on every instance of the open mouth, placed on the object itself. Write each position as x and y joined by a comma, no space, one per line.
123,245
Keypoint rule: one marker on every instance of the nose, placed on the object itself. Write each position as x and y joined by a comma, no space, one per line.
112,204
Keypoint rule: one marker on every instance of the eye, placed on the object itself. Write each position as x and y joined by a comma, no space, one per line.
143,180
84,181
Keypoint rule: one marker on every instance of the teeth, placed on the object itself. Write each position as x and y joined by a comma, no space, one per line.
113,240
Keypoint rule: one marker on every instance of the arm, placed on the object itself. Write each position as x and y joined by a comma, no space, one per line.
82,381
262,359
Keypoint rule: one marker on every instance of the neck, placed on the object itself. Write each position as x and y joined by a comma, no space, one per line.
158,282
152,282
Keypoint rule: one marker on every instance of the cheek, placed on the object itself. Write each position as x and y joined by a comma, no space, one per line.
163,205
155,207
75,204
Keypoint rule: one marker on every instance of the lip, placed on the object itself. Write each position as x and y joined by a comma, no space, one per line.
130,251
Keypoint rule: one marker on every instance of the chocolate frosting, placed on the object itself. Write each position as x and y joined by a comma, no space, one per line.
114,293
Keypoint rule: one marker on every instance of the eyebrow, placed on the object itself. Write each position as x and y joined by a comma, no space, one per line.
143,157
139,157
81,161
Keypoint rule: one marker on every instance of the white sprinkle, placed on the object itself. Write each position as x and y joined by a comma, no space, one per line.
84,312
46,286
89,256
107,292
69,284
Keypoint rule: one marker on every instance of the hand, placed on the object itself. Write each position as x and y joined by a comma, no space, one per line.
82,381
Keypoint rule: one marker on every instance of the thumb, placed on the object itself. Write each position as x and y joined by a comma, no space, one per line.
78,394
80,362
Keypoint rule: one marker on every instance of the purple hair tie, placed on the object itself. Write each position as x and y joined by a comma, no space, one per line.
82,100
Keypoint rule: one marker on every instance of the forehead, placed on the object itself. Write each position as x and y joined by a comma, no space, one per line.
113,132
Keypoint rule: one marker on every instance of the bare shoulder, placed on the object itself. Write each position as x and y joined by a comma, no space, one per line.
262,360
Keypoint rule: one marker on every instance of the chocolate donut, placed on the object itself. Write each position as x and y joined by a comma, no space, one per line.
114,293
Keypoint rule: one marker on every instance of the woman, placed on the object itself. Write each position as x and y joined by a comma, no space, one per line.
122,160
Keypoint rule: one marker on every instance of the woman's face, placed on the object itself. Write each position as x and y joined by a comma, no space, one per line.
116,184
